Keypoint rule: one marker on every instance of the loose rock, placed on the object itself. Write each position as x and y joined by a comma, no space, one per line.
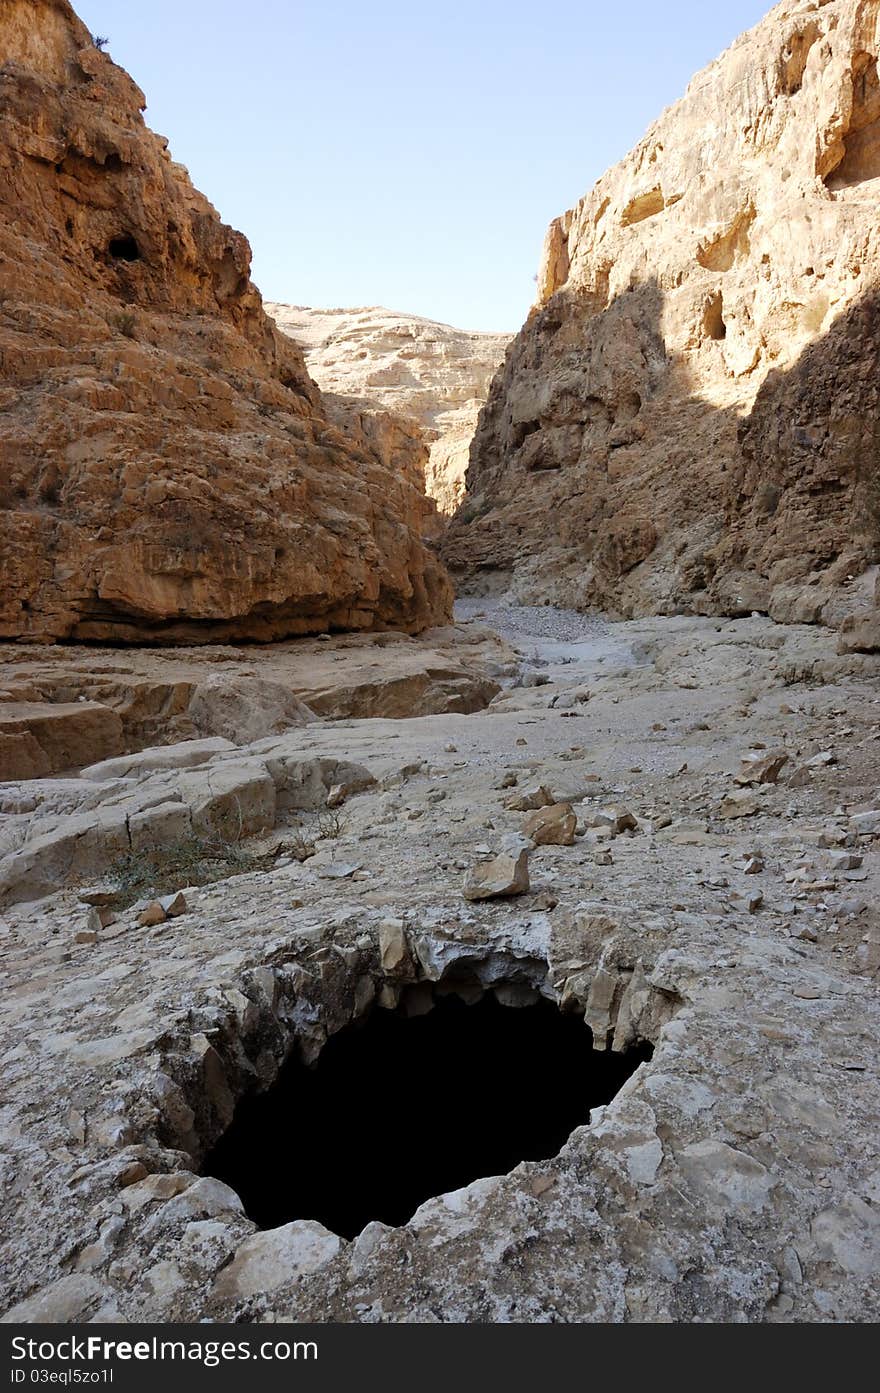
501,877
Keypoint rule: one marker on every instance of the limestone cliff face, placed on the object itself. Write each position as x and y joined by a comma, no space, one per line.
421,370
689,418
168,470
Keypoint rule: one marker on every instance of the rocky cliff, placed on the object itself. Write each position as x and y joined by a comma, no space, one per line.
428,372
689,418
169,470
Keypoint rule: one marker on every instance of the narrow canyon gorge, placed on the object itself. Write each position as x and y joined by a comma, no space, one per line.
439,814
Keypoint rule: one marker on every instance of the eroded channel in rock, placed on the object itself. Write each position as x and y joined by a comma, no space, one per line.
402,1107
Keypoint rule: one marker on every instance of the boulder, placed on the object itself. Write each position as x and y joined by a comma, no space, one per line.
496,879
553,826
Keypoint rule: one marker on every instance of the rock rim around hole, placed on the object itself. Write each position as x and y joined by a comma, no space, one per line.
487,1086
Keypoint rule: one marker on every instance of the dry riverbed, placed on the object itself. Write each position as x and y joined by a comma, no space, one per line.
717,900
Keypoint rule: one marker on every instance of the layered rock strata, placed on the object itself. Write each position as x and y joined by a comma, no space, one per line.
170,472
60,713
688,420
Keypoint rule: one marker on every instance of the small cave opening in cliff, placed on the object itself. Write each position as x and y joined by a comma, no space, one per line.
411,1103
124,248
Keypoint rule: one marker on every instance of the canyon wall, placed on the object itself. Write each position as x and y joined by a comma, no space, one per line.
689,419
170,473
427,372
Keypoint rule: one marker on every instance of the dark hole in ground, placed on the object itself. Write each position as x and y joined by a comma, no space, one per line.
400,1109
124,248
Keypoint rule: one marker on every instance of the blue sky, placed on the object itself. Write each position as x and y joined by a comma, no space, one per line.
407,154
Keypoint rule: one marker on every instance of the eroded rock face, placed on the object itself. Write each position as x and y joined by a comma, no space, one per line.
424,371
688,419
170,472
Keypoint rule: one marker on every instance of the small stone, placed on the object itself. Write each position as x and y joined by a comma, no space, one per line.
337,795
548,901
615,819
851,908
153,914
450,748
502,876
818,761
338,870
393,946
85,936
173,905
791,1266
97,895
530,799
509,781
159,1186
132,1173
807,993
762,769
754,866
830,837
803,932
845,861
800,777
603,858
741,804
751,901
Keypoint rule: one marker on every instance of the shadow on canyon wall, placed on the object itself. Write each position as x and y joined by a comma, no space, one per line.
601,470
